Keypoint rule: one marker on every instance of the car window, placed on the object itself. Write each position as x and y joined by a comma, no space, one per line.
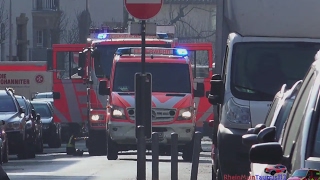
300,173
296,115
272,109
22,103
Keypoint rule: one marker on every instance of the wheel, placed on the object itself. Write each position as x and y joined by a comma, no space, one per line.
112,150
39,148
27,151
187,152
272,173
5,154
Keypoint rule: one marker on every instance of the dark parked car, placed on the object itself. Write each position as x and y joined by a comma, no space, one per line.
4,153
34,121
51,130
17,126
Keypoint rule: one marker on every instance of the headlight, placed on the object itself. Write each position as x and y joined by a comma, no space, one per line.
96,117
118,112
236,113
185,114
14,125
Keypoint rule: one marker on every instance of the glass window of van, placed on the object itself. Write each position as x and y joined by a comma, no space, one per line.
259,69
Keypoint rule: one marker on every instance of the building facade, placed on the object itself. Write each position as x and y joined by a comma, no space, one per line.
37,24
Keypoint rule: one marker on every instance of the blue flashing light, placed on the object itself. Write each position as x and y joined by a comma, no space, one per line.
181,52
102,36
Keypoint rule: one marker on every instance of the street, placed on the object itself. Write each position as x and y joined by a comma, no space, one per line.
55,164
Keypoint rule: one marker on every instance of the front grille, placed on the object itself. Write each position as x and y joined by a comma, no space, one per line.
158,114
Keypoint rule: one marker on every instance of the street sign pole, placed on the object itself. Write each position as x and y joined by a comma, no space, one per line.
143,10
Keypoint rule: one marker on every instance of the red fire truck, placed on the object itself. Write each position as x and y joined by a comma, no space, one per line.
77,74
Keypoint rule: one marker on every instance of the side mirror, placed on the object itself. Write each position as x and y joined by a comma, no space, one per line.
199,92
103,90
249,139
49,59
38,118
258,128
266,153
56,95
216,90
211,123
267,135
81,72
33,113
22,110
250,131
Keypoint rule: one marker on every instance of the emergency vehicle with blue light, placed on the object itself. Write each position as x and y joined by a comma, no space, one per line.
78,68
173,104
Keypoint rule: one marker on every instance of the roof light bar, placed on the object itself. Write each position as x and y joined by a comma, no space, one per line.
153,50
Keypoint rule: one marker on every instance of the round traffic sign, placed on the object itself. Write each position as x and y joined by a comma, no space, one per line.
143,9
39,79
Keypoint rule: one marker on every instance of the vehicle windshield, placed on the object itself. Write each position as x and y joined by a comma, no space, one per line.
43,95
107,54
43,110
166,77
7,104
300,173
283,116
316,144
258,70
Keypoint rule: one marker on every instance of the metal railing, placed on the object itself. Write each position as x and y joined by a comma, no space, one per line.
45,5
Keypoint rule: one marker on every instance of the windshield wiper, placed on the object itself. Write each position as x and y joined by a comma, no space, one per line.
261,93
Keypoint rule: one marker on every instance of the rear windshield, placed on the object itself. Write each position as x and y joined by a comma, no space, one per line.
43,110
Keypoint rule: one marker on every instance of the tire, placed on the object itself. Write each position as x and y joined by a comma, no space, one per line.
213,174
5,154
39,148
112,150
27,151
272,173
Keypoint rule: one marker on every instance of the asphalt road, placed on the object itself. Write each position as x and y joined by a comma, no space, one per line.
55,164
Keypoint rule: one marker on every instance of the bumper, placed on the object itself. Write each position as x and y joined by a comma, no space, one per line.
233,155
15,141
124,132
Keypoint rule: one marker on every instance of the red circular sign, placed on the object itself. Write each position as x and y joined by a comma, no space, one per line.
39,79
143,9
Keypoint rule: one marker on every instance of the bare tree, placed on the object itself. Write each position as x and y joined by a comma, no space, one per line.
188,28
4,30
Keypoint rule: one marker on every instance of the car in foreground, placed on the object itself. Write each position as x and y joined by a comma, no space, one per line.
299,146
17,127
51,131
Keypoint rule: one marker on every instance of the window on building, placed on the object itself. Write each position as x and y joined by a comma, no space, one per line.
40,38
